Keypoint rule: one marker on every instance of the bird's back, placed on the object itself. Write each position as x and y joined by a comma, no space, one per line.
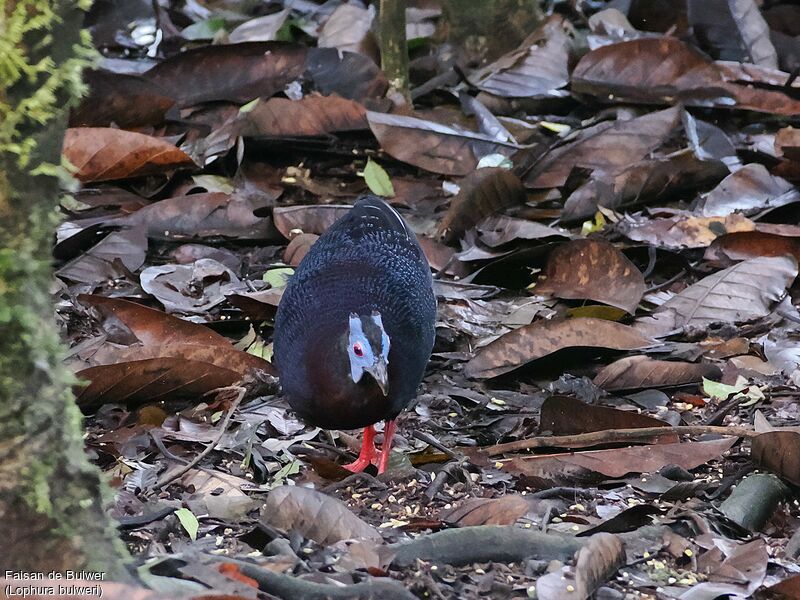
367,261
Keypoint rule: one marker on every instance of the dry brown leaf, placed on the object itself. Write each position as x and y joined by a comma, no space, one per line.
592,269
618,462
541,338
504,510
607,147
501,229
309,116
565,415
314,515
666,70
779,452
634,372
482,193
106,154
744,292
734,247
749,190
308,219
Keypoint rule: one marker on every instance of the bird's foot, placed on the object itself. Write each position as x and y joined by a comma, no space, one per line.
368,455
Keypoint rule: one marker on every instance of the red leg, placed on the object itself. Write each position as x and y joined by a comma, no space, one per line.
367,456
386,447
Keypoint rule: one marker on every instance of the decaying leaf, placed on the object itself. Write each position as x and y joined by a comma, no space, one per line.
642,372
592,269
595,563
779,452
482,193
314,515
504,510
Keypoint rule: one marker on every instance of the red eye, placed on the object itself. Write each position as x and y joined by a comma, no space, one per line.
359,351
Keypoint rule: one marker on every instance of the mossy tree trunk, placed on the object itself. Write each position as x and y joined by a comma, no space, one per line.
51,498
394,46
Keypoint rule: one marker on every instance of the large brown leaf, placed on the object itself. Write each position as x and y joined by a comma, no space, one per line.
162,357
607,147
314,515
635,372
105,154
592,269
432,146
743,292
308,219
309,116
233,72
541,338
666,70
150,380
504,510
565,415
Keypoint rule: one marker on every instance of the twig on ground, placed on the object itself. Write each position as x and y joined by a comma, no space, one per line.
609,436
240,392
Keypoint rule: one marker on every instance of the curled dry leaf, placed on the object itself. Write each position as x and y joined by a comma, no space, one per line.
541,338
634,372
432,146
314,515
504,510
565,415
298,248
592,269
744,292
201,215
666,70
105,154
482,193
779,452
595,564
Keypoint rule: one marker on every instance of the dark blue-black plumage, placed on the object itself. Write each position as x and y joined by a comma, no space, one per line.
368,263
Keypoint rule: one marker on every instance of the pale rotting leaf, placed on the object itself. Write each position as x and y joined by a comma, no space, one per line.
749,190
744,292
683,230
498,230
542,338
592,269
314,515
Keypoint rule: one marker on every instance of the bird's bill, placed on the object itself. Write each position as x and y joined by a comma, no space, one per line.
379,372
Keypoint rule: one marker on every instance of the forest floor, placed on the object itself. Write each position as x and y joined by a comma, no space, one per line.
609,207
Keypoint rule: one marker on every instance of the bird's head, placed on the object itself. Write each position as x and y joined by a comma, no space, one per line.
368,349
